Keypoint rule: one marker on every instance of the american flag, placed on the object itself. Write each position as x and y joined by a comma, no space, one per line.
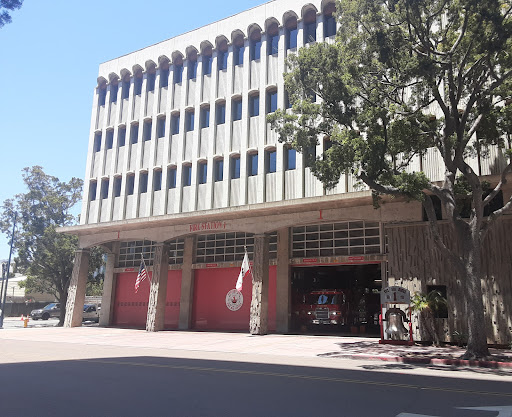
141,276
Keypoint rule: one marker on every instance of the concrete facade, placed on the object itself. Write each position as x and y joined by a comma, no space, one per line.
180,155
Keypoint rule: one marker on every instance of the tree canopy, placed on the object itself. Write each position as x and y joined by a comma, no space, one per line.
7,6
46,256
405,77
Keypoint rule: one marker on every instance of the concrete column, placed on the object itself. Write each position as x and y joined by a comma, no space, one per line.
283,282
109,285
259,303
158,289
187,284
76,290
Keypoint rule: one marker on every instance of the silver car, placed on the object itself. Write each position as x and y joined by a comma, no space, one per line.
51,310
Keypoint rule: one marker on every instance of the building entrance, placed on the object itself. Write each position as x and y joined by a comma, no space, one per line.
336,299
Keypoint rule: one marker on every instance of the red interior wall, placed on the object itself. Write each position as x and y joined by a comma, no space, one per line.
210,311
130,309
172,303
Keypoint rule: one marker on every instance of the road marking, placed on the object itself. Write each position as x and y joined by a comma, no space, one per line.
504,411
309,377
413,415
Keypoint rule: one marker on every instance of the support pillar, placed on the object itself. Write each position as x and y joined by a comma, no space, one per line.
259,303
283,282
76,289
187,284
107,300
158,289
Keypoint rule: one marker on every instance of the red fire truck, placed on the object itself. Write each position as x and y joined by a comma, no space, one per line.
322,307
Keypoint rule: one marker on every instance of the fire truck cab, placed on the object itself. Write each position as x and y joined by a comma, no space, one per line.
323,307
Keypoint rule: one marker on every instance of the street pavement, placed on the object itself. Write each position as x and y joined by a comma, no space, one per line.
93,371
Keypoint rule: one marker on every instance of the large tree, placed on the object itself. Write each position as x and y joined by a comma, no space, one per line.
404,76
7,6
43,254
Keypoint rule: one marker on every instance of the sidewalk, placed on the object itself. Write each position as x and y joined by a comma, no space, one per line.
309,346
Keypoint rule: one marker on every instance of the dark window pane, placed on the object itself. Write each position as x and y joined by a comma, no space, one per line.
104,189
310,32
110,139
130,182
121,139
253,164
238,55
146,133
254,103
92,191
221,114
189,121
291,157
273,44
272,102
151,82
175,124
235,167
192,70
255,51
164,78
222,60
134,133
329,25
97,142
143,183
113,93
160,128
271,161
187,175
171,178
102,94
178,73
117,186
138,86
157,180
237,110
219,170
205,117
207,65
202,173
126,89
291,40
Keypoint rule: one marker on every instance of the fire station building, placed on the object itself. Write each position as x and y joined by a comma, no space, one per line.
184,172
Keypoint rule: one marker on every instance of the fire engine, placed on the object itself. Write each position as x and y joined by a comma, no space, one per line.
323,307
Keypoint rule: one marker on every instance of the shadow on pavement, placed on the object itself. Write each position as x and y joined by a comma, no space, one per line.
156,386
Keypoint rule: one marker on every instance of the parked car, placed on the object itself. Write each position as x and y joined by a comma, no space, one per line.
51,310
91,313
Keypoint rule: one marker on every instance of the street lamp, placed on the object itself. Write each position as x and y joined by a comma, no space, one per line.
6,280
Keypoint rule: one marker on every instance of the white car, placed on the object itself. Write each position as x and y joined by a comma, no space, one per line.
91,313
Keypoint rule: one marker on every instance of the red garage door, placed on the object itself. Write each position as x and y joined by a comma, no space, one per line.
210,311
172,303
130,309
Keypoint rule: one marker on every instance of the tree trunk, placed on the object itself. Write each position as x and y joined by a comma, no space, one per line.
63,298
472,284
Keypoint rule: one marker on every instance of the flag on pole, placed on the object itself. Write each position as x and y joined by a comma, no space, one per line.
141,276
244,271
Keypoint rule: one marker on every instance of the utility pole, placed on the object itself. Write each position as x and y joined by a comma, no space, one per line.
7,274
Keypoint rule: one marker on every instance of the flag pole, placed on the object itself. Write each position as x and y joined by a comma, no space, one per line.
250,266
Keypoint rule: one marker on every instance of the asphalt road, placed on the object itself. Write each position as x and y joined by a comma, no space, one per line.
160,386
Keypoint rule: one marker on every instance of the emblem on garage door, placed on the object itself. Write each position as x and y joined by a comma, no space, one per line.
234,300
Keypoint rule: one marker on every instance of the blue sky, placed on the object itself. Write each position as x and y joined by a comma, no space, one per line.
49,59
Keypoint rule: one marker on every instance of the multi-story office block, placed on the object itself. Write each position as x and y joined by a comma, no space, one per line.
184,172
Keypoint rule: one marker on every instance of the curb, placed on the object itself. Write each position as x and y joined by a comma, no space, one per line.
432,361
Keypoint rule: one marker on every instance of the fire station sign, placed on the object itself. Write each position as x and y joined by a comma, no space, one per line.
395,294
234,300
